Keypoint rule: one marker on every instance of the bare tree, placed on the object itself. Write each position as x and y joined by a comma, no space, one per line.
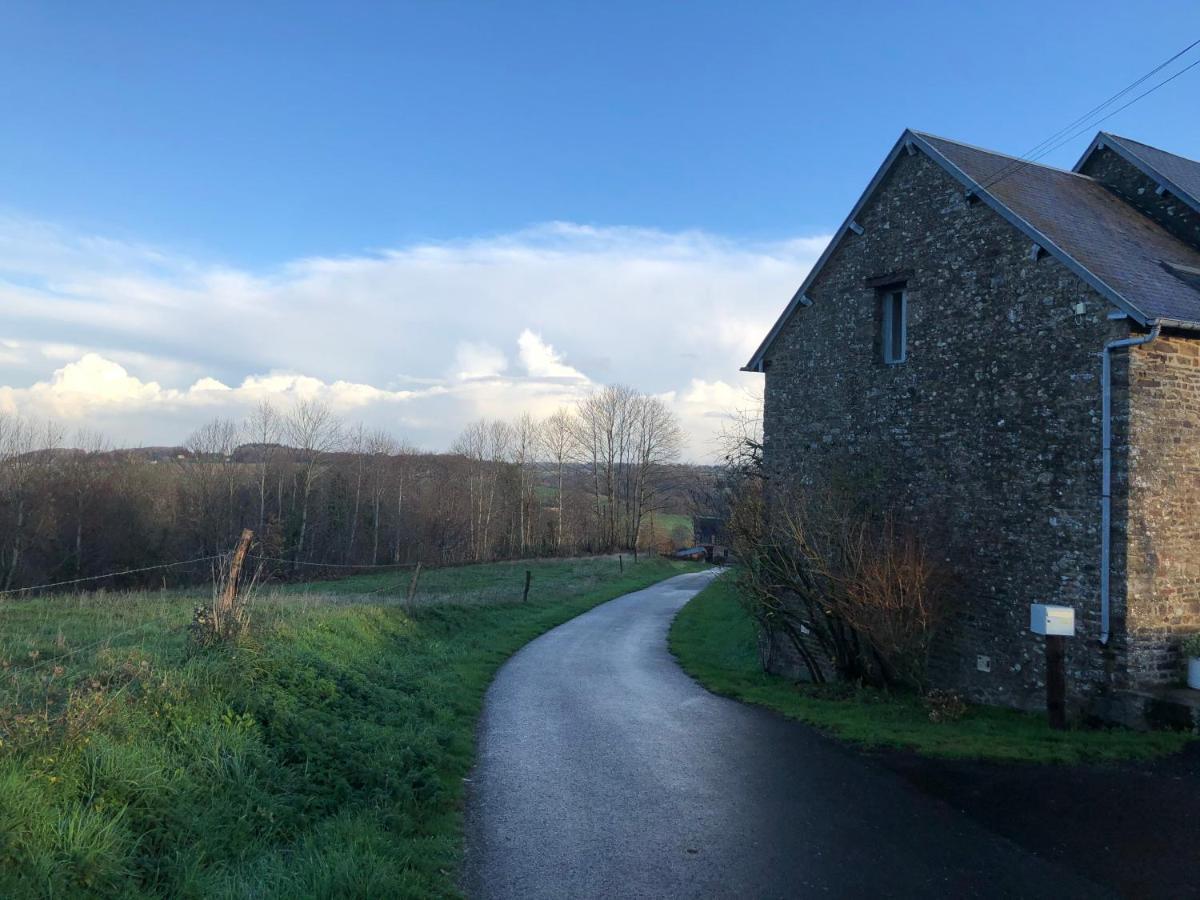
401,471
559,446
740,441
94,510
210,475
26,458
485,445
525,452
471,445
82,472
602,433
656,442
625,439
378,447
264,429
356,444
315,432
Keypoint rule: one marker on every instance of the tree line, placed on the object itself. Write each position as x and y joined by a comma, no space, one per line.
319,491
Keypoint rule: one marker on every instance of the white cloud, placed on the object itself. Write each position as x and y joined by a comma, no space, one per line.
478,360
543,361
419,339
96,380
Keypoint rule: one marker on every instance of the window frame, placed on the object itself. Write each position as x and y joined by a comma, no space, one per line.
894,311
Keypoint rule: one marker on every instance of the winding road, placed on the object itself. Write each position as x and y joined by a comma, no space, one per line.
605,771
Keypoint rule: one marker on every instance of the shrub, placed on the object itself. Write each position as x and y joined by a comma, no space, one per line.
846,585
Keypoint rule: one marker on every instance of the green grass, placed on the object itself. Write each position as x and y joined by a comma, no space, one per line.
324,756
666,523
715,641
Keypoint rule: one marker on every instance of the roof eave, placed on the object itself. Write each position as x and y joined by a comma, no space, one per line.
1181,324
756,361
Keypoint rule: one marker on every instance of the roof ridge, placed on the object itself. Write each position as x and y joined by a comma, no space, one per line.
1028,162
1128,140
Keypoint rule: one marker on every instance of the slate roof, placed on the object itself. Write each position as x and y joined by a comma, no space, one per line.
1120,246
1121,253
1179,174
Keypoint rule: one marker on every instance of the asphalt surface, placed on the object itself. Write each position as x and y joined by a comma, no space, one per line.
605,771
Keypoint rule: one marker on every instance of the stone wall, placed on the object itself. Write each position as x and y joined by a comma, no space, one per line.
1138,190
989,435
1164,505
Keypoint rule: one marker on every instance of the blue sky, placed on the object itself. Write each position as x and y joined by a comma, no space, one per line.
194,142
261,132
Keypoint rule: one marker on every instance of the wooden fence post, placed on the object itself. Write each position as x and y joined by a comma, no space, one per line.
1056,681
621,563
412,586
525,596
235,569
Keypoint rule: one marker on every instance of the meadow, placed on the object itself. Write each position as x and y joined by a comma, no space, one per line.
324,754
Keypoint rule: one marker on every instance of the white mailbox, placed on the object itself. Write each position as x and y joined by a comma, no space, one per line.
1052,620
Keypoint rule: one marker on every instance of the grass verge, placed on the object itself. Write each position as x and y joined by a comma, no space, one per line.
324,756
715,641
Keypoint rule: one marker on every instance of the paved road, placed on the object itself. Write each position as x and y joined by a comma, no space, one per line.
605,771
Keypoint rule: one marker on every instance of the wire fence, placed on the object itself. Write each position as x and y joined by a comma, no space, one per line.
405,591
330,565
106,575
107,639
144,624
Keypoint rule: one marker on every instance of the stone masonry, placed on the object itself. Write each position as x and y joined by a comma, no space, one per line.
1163,525
989,434
1138,190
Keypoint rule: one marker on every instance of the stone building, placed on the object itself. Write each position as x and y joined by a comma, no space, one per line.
976,332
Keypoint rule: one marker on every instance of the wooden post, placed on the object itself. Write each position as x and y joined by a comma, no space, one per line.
235,569
525,596
1056,681
412,585
621,563
635,554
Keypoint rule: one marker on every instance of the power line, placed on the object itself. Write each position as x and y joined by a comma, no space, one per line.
1056,140
1165,81
1096,109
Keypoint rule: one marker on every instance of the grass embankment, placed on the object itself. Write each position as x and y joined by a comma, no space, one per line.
325,756
715,641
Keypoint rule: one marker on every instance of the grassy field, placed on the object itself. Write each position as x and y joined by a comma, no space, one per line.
324,756
665,525
714,640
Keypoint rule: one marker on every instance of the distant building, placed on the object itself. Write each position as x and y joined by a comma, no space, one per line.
709,530
957,341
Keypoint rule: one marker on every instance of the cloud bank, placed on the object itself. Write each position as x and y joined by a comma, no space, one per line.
145,344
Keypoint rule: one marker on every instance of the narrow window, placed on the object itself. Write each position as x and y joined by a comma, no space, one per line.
895,326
